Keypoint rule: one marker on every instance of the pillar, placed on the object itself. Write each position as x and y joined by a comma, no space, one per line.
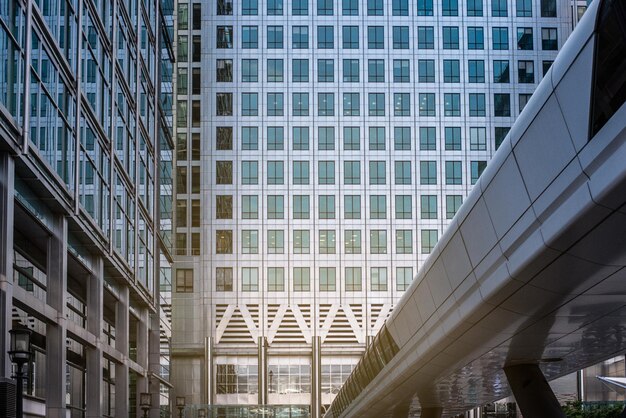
262,356
121,344
402,410
7,180
208,370
532,392
94,354
431,412
316,377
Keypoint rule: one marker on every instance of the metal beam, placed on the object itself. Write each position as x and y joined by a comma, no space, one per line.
532,392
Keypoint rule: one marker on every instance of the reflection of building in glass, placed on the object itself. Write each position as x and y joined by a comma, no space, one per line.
83,126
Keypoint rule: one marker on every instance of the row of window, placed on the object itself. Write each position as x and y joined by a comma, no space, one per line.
376,71
350,36
499,8
327,280
376,104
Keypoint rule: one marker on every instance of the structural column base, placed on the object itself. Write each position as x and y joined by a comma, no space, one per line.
532,392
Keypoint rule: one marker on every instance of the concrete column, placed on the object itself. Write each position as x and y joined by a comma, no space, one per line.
56,333
316,377
154,360
94,326
263,385
402,410
431,412
7,180
532,392
208,370
121,344
143,383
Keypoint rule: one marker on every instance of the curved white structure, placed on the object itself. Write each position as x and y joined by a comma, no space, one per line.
531,269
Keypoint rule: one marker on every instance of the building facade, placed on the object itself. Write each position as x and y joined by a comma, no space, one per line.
322,148
83,129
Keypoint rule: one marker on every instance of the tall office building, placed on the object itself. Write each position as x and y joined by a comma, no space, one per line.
83,126
322,148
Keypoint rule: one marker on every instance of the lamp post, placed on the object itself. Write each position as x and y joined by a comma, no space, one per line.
145,403
180,404
20,354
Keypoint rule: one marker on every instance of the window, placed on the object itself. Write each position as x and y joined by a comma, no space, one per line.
249,172
427,104
196,49
224,241
428,138
404,241
425,37
453,203
351,172
249,104
476,71
428,172
195,113
183,16
350,7
250,241
250,8
428,206
525,39
402,104
326,138
324,7
500,38
400,8
275,37
351,138
402,171
502,104
224,104
300,70
275,207
376,71
225,37
452,138
275,279
301,138
474,7
501,71
275,104
351,104
476,169
378,241
450,8
401,71
300,104
546,66
301,279
424,7
500,133
524,8
300,7
351,70
477,104
327,241
523,100
378,173
377,138
376,104
404,207
325,70
183,48
275,7
353,241
475,38
275,173
375,8
402,138
549,39
326,172
301,172
224,172
195,81
325,104
499,8
223,138
249,71
478,139
352,207
548,8
378,207
400,37
375,37
429,239
426,71
301,241
451,71
224,279
404,277
525,72
350,37
182,81
327,207
184,280
250,279
249,37
224,207
353,279
224,71
378,279
300,37
453,173
275,241
325,37
327,279
250,207
249,138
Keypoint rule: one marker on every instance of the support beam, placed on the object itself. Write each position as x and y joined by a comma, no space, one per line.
121,344
402,410
263,383
94,326
6,258
532,391
316,376
431,412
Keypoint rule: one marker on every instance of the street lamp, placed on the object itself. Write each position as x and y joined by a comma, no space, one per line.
145,403
20,354
180,404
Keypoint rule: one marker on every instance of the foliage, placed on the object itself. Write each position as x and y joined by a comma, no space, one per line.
578,409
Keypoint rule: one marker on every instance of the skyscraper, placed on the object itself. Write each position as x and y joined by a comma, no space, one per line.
322,149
